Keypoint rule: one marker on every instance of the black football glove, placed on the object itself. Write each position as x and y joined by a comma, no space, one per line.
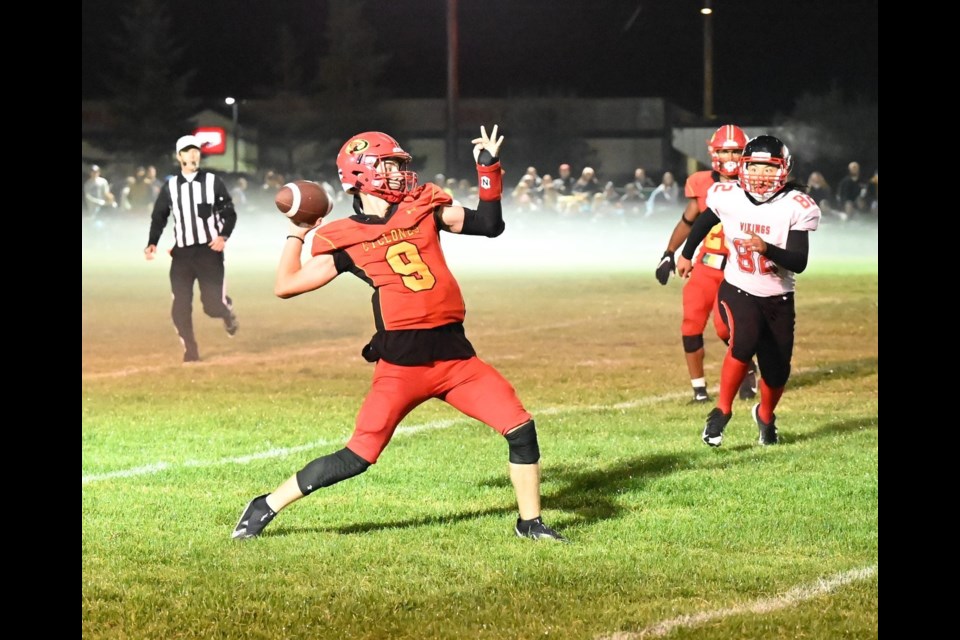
666,267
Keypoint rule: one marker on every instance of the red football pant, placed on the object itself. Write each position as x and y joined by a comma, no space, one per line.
700,300
471,386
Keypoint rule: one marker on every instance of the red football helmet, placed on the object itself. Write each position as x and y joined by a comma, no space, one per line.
360,164
770,151
729,137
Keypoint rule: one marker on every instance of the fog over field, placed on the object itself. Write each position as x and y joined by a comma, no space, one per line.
536,242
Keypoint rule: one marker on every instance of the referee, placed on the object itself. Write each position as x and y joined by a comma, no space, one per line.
203,219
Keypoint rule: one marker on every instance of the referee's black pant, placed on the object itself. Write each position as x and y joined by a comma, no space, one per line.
202,264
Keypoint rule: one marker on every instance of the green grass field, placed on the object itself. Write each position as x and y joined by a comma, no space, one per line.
669,538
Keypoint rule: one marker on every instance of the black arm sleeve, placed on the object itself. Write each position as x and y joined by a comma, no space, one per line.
794,257
705,221
161,211
224,207
487,220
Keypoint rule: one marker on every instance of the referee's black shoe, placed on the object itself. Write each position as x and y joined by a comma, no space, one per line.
191,354
231,324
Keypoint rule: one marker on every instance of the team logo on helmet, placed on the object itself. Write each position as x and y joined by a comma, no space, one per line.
358,145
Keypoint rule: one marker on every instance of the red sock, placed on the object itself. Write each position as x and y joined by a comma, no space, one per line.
731,375
769,399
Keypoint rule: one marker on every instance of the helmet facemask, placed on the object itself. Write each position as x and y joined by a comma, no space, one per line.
729,137
375,164
764,167
728,167
763,177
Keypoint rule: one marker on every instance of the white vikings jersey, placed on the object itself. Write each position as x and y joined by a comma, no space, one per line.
771,220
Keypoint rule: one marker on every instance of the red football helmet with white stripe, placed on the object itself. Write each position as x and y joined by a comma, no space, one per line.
729,137
375,163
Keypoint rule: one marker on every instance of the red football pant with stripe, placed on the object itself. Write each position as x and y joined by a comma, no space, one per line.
700,300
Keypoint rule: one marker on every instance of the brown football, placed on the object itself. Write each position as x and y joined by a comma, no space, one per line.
303,202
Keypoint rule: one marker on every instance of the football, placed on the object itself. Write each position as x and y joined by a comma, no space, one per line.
304,202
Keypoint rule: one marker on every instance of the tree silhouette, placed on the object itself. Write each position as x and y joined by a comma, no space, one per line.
342,98
825,132
148,97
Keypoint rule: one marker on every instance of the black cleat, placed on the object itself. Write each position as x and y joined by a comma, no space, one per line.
768,432
536,530
748,388
191,355
254,518
716,422
231,324
700,394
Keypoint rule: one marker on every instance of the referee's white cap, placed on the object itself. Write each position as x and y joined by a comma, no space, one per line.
188,141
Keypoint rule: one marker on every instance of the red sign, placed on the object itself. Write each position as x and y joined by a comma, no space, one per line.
213,139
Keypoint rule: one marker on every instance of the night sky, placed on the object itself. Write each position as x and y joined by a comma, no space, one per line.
766,53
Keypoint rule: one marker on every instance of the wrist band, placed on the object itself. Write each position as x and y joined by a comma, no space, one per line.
296,238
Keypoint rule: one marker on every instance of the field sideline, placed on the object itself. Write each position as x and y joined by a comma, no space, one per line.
669,538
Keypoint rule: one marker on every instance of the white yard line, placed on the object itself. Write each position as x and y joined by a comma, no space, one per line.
791,598
161,466
158,467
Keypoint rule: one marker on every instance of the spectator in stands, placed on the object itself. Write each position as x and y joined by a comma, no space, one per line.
549,193
587,183
153,186
632,199
667,194
642,180
239,192
819,189
852,192
564,180
96,191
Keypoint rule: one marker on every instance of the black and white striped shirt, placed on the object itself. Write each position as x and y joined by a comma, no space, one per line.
202,210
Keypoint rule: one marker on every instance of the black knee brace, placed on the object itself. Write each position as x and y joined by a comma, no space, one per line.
692,344
523,444
329,470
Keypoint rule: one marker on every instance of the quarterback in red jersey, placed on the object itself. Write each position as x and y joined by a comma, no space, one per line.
421,352
700,292
767,221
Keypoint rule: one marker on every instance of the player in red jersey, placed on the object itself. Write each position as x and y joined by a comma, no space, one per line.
700,291
420,349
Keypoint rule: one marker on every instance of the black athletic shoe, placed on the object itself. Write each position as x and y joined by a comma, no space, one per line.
231,324
768,431
536,530
700,394
191,355
254,518
716,422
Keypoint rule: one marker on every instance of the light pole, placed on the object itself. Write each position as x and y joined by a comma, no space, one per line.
453,85
707,12
235,105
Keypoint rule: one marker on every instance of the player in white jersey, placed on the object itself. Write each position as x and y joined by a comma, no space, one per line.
766,221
